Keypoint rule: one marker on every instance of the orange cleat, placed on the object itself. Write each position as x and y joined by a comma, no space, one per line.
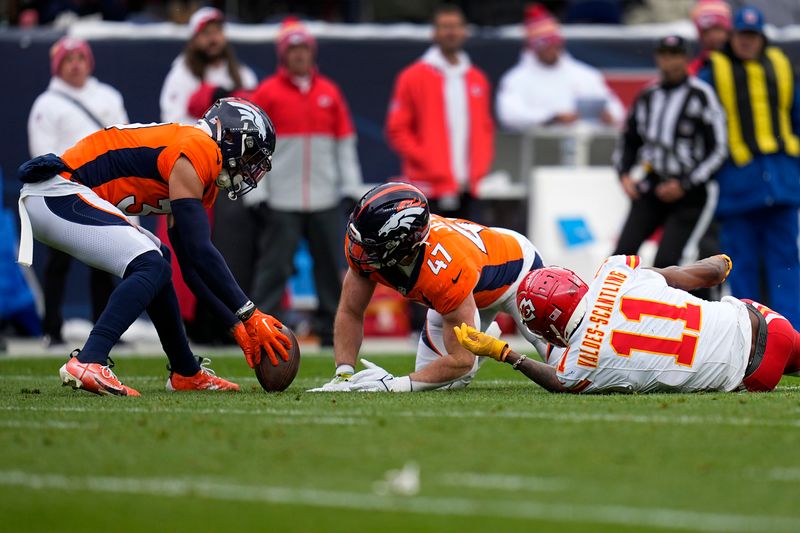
204,379
93,377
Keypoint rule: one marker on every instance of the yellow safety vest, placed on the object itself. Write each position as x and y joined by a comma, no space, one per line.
757,96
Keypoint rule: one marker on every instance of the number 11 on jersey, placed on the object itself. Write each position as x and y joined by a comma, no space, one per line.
681,349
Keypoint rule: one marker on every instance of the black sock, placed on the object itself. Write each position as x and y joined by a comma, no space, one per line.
144,278
166,317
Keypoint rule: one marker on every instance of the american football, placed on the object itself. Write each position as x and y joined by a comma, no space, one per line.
278,378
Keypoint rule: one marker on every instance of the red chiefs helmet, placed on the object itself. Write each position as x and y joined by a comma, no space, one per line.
550,302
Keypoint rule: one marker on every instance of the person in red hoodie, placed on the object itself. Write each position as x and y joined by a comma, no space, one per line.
314,169
439,120
712,18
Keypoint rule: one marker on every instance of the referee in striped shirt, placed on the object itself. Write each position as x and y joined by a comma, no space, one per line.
674,140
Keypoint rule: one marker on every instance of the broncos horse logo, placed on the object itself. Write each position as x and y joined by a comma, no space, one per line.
401,219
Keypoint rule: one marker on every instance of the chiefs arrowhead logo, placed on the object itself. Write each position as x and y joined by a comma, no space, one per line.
526,310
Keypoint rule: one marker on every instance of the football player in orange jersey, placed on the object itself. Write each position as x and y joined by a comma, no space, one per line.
77,203
636,329
461,271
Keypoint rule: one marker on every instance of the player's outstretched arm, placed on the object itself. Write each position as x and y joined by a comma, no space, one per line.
485,345
544,375
191,227
708,272
348,326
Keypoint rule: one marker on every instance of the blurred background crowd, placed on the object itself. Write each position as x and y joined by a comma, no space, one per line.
679,141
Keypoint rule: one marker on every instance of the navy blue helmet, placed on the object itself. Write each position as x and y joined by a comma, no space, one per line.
386,225
246,137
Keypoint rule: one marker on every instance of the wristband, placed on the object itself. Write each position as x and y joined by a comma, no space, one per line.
519,361
504,353
246,311
401,384
345,371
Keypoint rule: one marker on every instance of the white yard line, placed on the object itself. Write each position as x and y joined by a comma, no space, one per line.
502,482
575,417
49,424
784,474
643,517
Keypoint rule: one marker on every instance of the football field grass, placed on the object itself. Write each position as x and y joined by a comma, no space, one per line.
499,456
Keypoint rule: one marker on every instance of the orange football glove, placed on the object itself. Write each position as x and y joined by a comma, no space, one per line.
250,347
264,330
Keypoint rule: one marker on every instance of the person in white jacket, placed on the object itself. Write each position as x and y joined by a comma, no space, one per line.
74,105
548,86
205,71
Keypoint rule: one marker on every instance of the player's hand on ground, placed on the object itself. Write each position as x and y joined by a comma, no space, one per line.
339,383
265,330
249,346
372,379
480,343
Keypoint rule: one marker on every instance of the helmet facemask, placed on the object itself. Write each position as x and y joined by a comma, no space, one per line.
246,139
241,174
371,255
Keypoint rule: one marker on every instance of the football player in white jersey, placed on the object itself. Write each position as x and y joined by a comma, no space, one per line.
636,329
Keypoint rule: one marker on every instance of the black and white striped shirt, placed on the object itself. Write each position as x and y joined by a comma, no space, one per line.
675,131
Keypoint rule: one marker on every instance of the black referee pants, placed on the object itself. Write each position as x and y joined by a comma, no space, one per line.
683,223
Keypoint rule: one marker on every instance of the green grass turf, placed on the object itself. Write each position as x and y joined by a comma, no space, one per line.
502,455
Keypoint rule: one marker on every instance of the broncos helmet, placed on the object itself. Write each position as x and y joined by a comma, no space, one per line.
387,225
246,137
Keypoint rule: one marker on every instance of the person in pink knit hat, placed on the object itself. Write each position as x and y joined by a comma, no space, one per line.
74,105
712,18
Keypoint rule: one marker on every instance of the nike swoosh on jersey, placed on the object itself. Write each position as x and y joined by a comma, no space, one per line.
455,279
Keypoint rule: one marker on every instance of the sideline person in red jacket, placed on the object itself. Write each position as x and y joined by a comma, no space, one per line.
314,169
439,120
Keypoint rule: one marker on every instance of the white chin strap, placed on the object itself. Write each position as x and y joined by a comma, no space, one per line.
575,319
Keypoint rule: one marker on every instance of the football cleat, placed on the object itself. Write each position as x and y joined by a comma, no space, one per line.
93,377
204,379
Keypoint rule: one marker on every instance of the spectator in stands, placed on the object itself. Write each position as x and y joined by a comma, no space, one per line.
74,105
206,70
439,120
675,138
314,167
712,18
760,181
548,86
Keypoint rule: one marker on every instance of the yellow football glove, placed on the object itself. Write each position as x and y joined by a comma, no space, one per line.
480,343
728,265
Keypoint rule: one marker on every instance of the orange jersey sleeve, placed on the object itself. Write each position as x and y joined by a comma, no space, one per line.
203,153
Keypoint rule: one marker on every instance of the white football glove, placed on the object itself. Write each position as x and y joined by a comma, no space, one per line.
339,383
377,379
